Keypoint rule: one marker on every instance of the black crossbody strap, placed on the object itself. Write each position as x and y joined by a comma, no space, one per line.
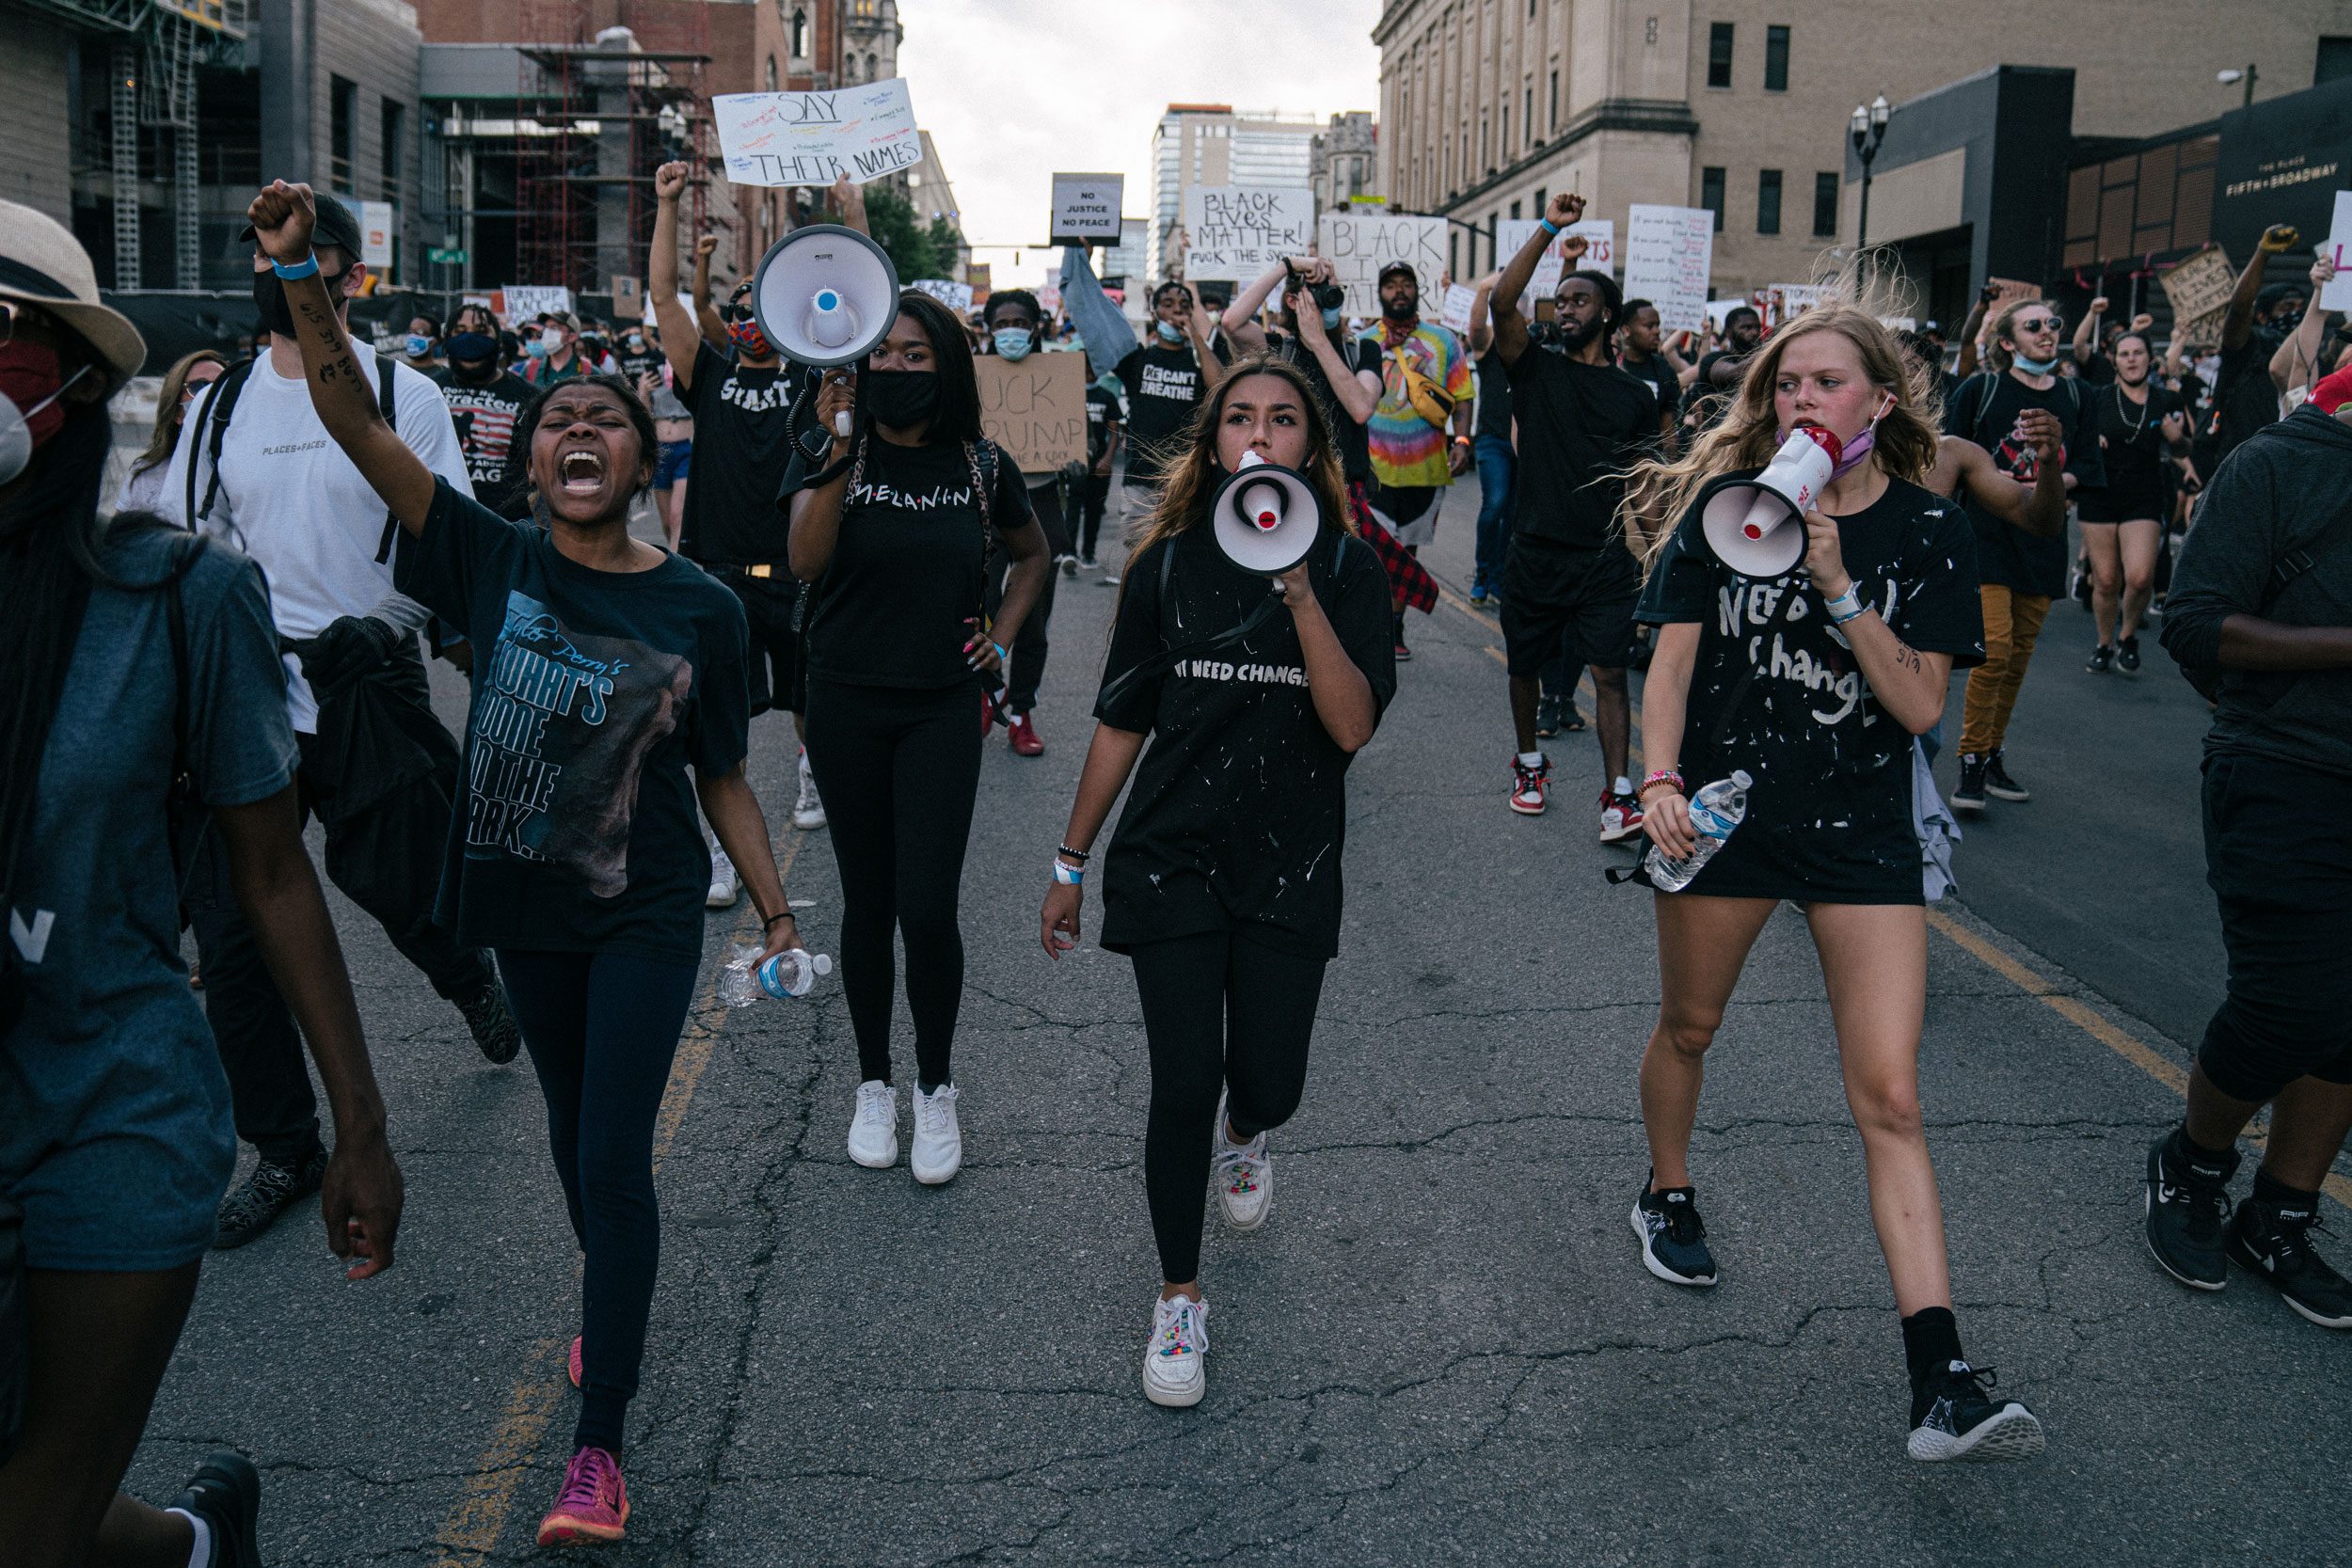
1167,658
387,402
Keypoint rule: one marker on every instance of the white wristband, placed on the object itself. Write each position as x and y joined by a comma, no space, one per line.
1068,875
1844,607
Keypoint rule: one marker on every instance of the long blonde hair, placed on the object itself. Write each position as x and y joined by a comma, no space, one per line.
1193,477
1658,493
169,411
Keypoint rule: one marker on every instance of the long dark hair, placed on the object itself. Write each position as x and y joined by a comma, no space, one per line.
958,416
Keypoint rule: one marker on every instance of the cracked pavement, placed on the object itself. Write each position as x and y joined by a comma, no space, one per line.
1443,1347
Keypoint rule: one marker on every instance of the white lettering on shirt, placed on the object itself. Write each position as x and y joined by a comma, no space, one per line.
1255,674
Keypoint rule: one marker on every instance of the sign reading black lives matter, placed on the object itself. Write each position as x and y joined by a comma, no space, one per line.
813,138
1086,206
1035,407
1359,248
1234,232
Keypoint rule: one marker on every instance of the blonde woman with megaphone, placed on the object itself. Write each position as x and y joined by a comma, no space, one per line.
1811,683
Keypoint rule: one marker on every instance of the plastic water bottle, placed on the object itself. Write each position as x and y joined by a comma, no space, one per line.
791,973
1715,810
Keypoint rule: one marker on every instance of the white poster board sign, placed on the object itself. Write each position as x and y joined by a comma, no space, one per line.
1782,303
1086,206
1669,252
1601,254
1458,300
1358,245
376,222
525,301
813,138
955,296
1234,232
2337,296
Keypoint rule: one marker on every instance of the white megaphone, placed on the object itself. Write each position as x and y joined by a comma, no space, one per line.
1757,526
1265,517
825,295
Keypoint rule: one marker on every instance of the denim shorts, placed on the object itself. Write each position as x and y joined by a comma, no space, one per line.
671,467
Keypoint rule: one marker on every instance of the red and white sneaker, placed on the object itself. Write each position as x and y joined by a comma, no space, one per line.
1527,786
1026,742
1620,817
592,1506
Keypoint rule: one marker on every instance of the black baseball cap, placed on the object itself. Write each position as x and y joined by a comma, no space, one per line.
338,226
1393,269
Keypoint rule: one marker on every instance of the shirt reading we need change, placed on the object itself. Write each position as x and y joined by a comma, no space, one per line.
576,828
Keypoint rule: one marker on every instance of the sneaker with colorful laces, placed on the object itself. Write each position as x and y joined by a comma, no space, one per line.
1526,785
1245,1179
1620,817
592,1508
1175,1362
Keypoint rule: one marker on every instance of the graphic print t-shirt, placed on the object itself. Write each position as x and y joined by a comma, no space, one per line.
1408,452
1580,427
576,828
1102,413
1163,388
742,444
1985,410
1238,811
484,418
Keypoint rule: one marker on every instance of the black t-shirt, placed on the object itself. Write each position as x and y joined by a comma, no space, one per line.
2131,436
2246,397
1703,400
575,826
1807,726
2095,367
484,416
742,444
1162,387
1239,806
635,362
1659,375
895,605
1581,426
1985,410
1348,432
1494,396
1102,413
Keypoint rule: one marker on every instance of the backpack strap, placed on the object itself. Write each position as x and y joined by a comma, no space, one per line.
220,406
388,402
185,818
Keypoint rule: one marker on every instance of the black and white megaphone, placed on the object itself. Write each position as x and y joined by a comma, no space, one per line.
825,295
1265,516
1757,526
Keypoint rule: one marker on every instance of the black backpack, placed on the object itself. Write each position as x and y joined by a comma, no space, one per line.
220,406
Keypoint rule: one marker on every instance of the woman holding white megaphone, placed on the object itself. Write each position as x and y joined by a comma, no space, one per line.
1806,682
1222,884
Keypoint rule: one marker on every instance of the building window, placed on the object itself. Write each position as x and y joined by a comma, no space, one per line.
1767,202
394,120
1711,193
1514,211
771,74
873,71
344,114
1775,59
800,35
1541,206
1719,54
1527,109
1824,206
2335,58
1554,122
1506,130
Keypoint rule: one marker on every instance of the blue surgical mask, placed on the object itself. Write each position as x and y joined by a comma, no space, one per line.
2035,367
418,346
1015,342
1332,317
1171,333
535,347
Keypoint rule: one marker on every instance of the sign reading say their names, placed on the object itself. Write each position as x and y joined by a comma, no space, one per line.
1034,408
813,138
1086,206
1358,245
1669,252
1234,232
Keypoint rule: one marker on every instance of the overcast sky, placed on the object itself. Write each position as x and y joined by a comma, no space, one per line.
1013,90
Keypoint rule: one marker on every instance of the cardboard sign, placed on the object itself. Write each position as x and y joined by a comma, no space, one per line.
1358,245
2200,333
1459,297
1669,253
813,138
1086,206
1234,232
1034,408
628,297
376,222
525,301
955,296
2200,287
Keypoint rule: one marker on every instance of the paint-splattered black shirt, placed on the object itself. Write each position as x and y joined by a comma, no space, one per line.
1239,807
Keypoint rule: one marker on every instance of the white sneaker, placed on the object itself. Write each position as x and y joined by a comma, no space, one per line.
1245,1179
808,813
938,1151
721,895
874,1130
1176,1361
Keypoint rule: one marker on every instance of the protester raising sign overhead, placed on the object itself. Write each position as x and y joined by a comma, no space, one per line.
814,138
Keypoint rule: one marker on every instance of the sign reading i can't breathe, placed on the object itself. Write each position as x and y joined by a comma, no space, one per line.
814,138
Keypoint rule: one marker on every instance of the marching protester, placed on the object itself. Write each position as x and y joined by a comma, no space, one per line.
1106,437
727,524
135,657
1344,374
2258,616
420,350
2140,428
1222,882
1491,448
613,670
1164,377
1419,430
1643,352
2305,354
892,534
2020,572
483,397
1813,685
1716,381
256,469
1015,325
1583,422
558,352
2244,397
143,487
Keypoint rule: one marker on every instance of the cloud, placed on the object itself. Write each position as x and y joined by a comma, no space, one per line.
1013,90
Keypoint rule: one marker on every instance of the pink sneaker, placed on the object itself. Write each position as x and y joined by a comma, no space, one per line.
593,1505
575,1360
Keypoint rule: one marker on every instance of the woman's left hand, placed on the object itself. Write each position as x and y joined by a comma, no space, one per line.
1295,588
1825,561
980,653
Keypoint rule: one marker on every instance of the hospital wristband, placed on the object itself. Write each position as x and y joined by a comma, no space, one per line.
1068,875
307,267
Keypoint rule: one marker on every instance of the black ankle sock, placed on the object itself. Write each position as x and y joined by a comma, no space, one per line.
2269,1190
2187,1151
1931,1340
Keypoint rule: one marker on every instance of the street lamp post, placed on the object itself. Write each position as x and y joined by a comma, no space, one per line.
1867,127
2230,78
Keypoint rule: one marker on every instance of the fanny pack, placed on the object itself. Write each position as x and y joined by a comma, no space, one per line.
1428,398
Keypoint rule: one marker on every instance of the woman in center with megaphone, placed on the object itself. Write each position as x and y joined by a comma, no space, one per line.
1252,647
1803,684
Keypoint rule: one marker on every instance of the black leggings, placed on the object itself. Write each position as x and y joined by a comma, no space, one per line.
898,771
602,1028
1222,1012
1094,495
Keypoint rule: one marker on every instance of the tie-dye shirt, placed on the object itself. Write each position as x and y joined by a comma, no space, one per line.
1408,452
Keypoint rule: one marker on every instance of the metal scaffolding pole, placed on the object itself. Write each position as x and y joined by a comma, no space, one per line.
126,164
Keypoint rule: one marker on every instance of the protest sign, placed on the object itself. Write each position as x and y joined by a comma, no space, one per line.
955,296
525,301
1234,232
1458,299
2199,286
1782,303
628,297
376,233
1601,254
1669,252
1034,408
2337,294
1086,206
1049,300
813,138
1358,245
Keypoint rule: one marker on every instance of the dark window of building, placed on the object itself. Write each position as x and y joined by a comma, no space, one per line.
343,114
1527,109
1541,205
800,35
395,154
1506,130
1775,59
1824,206
2154,201
1768,201
2335,58
1514,211
1719,54
1554,122
1711,194
1453,253
771,74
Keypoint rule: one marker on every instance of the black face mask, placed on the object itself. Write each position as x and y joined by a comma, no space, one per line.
902,398
269,297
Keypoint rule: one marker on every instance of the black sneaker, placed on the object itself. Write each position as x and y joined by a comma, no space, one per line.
2127,656
2272,1241
493,1026
2102,659
1087,562
226,1494
269,1192
1968,799
1547,717
2186,1205
1998,784
1954,1416
1673,1238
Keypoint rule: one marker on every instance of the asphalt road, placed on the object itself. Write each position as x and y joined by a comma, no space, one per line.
1442,1348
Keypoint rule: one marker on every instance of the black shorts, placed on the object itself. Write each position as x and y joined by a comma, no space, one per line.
1548,589
2125,503
772,607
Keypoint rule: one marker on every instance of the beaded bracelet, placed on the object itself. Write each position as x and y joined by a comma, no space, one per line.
1664,775
1078,855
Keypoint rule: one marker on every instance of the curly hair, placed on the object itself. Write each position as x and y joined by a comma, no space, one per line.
1192,475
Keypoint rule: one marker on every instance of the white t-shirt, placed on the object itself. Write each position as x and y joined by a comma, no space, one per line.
291,501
